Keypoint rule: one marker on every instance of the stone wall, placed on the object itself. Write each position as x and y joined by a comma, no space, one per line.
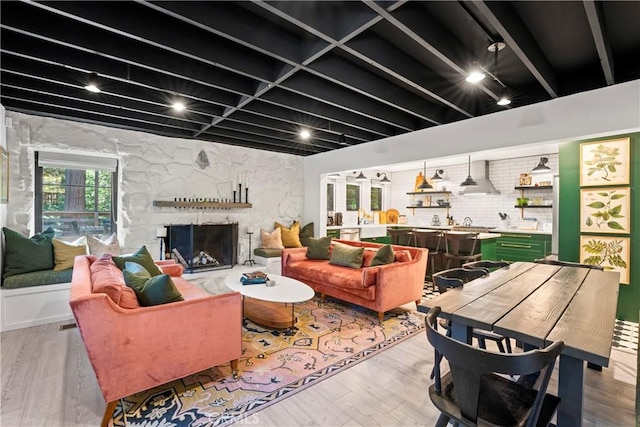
153,167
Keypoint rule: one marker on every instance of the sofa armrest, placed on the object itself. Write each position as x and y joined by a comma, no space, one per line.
150,346
290,255
174,270
400,282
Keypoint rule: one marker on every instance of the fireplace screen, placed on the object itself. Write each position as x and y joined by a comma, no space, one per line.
203,247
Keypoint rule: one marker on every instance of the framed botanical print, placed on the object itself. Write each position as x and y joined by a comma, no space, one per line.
604,162
4,176
612,253
605,210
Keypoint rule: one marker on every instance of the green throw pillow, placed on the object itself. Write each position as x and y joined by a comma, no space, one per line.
152,291
24,255
306,233
385,255
346,255
318,248
137,269
142,257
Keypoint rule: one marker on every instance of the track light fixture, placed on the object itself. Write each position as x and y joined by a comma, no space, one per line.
384,180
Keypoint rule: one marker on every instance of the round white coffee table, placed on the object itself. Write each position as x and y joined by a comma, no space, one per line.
268,305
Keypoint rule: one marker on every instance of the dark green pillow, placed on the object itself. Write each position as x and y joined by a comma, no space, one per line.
318,248
385,255
346,255
142,257
152,291
137,269
306,233
24,255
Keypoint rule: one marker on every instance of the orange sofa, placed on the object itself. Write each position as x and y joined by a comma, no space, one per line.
379,288
133,348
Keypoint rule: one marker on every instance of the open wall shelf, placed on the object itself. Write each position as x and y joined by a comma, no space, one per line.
200,205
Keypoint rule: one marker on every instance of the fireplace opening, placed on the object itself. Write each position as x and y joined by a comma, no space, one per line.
202,247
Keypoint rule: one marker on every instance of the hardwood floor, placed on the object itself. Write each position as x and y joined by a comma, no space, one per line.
47,381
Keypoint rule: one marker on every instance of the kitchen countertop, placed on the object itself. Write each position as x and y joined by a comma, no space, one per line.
439,227
518,231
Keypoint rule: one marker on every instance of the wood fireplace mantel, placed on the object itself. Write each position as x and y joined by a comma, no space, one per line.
200,205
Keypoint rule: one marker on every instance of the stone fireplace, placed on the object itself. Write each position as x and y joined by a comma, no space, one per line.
202,247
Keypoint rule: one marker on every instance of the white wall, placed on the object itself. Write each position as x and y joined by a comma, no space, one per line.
483,210
3,207
601,112
158,168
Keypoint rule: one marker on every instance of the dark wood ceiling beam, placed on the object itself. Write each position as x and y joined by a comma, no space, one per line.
105,110
514,32
241,142
248,138
182,39
323,91
597,23
293,119
326,113
258,132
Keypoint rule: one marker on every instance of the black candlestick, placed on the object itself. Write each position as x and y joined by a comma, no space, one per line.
250,261
240,193
234,196
246,195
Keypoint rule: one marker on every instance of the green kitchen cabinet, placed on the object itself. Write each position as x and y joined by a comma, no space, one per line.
488,249
380,239
334,234
522,246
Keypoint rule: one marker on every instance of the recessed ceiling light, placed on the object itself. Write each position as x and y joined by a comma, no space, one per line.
92,83
178,106
475,76
305,134
504,100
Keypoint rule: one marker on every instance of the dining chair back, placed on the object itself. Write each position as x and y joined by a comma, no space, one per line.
472,392
461,248
486,264
432,240
402,237
568,264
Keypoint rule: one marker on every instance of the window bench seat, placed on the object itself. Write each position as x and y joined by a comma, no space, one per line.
26,306
270,258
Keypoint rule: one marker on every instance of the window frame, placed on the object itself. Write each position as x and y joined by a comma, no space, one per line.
359,199
39,194
381,189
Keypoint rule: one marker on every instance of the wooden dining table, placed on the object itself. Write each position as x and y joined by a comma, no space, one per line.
539,304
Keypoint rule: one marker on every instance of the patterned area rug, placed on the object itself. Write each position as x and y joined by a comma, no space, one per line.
328,338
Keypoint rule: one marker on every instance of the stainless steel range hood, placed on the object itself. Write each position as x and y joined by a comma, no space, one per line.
480,174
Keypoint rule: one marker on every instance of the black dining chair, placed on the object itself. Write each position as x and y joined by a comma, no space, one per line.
568,264
473,393
486,264
457,277
460,248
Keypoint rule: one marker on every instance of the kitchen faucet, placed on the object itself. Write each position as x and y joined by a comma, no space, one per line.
467,222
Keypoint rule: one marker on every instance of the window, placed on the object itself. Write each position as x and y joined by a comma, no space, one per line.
75,195
376,198
353,197
330,197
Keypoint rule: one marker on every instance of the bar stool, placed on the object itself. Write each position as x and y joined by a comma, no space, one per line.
429,239
460,248
400,237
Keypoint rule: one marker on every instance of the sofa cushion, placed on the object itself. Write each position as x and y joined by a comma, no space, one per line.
318,248
384,255
65,252
346,255
99,247
37,278
24,254
137,269
290,236
154,290
306,233
268,252
142,257
107,278
337,276
272,240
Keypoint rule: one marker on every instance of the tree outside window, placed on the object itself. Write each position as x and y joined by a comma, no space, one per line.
376,198
353,197
330,197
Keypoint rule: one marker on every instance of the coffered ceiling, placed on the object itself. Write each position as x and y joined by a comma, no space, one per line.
254,73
